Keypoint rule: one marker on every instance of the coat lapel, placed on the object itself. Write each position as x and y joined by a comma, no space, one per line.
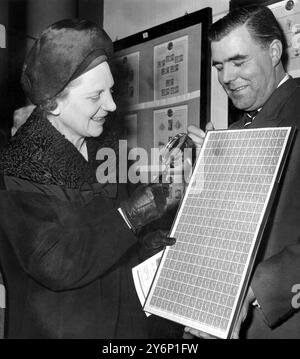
41,154
269,116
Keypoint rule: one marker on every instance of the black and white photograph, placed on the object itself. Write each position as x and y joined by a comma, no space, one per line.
149,173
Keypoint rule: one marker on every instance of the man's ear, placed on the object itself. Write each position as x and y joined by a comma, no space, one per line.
276,52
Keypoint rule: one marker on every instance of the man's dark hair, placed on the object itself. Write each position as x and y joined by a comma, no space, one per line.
259,20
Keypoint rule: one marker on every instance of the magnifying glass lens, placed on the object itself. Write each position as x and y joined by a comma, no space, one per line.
175,148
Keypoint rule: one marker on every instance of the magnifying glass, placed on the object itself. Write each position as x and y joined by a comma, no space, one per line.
177,159
180,147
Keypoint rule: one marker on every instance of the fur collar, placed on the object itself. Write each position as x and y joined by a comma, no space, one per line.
40,153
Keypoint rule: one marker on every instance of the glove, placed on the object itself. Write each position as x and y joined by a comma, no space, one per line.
157,240
154,242
146,204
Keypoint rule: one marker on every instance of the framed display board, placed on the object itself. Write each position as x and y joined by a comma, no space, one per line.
162,79
287,13
202,279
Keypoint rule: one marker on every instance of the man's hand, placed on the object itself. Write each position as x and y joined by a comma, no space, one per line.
198,333
249,299
198,136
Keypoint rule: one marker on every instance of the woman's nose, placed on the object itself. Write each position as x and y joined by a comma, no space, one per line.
109,103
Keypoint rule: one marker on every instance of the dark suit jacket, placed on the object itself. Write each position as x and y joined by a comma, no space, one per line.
278,262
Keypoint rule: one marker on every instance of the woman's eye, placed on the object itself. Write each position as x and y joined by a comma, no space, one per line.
95,97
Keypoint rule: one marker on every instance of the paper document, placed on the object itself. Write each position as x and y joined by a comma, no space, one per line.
143,275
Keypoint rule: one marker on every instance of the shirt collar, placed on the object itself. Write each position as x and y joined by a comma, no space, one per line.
286,77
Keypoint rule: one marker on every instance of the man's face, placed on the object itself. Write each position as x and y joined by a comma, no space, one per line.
245,69
84,108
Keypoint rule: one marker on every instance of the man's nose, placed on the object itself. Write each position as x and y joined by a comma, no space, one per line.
229,74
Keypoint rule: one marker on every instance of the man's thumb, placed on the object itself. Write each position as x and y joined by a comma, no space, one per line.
209,127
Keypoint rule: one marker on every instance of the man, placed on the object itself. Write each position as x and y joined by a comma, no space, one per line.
247,47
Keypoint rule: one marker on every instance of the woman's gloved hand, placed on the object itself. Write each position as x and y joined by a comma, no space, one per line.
154,242
157,240
146,204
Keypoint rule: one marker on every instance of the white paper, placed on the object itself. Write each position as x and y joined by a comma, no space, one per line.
143,275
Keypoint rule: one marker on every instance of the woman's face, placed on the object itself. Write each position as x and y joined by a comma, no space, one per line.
82,112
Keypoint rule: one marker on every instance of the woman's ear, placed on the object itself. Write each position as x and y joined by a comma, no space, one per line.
276,52
56,111
52,106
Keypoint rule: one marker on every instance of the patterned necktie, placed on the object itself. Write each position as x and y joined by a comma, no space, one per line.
248,117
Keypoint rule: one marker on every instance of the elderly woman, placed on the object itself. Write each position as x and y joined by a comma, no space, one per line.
67,243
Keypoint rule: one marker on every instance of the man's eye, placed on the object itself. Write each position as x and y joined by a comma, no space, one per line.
238,63
219,68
